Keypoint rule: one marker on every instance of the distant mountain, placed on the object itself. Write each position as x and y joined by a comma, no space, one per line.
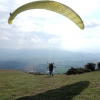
36,59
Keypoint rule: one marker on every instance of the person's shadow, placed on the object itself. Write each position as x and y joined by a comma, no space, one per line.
63,93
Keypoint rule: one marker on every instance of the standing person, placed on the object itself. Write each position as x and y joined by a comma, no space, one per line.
51,66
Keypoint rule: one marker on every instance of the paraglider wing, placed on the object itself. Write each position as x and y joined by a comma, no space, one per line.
52,6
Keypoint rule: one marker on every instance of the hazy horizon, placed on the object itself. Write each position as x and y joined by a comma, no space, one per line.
37,59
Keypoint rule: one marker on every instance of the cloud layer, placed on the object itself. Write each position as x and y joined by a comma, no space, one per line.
32,29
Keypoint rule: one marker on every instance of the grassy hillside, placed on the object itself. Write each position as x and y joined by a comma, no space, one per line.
16,85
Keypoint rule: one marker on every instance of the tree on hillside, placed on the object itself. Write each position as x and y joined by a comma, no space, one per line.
90,66
98,65
73,70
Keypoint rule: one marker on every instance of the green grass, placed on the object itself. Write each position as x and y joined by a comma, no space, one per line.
16,85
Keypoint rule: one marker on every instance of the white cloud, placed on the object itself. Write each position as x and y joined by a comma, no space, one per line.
54,41
35,39
29,41
4,38
92,23
34,29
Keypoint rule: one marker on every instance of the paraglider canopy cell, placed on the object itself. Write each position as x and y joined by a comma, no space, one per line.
52,6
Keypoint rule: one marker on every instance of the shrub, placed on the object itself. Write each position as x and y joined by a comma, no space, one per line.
77,71
90,66
80,70
71,71
98,65
86,70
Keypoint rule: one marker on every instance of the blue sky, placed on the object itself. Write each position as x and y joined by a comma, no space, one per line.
46,29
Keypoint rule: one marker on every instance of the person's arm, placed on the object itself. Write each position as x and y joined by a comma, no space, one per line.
48,65
54,66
